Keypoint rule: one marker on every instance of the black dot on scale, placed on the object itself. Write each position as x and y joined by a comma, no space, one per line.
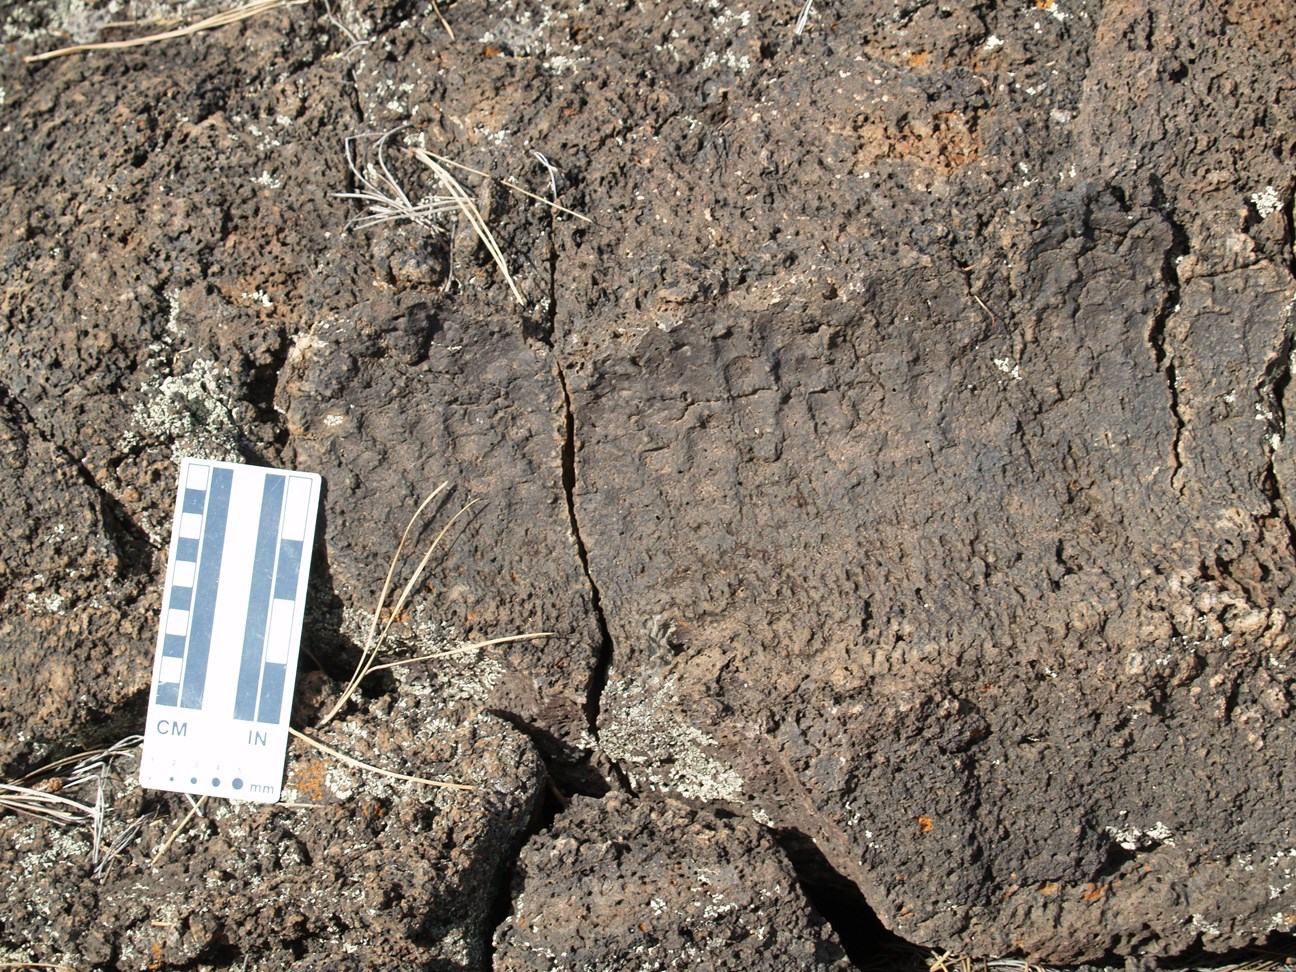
193,780
237,784
215,781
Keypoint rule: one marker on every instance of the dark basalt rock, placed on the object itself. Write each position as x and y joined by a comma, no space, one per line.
622,883
898,460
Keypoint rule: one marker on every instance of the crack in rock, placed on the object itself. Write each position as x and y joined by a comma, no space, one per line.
1163,358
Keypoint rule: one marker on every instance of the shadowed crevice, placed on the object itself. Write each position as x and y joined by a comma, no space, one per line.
603,660
867,942
1156,338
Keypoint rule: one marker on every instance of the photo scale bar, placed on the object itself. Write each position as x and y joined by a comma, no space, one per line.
285,609
184,568
258,616
207,583
232,607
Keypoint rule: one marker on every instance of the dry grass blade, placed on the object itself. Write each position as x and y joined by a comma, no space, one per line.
805,17
381,193
146,22
95,764
122,841
552,171
380,628
516,188
221,19
370,643
436,7
94,768
385,201
369,767
195,810
461,650
90,759
45,802
336,22
468,209
377,636
949,962
410,585
90,768
41,805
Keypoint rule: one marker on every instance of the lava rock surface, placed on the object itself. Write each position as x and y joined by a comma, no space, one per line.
896,461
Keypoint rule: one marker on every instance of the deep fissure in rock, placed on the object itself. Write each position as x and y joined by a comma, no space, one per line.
500,903
1163,360
553,802
843,906
599,675
603,661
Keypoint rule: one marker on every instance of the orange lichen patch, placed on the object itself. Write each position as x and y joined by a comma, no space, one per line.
387,617
308,780
1050,889
918,58
494,52
1044,4
942,142
372,808
924,825
959,143
155,956
1093,892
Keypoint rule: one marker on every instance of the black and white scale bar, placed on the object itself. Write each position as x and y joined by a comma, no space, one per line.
232,613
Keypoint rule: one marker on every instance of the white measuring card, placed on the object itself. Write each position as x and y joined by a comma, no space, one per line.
231,627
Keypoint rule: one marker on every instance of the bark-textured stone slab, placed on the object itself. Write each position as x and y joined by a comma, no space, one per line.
957,487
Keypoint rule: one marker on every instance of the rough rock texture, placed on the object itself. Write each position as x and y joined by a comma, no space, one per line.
357,871
899,458
625,884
